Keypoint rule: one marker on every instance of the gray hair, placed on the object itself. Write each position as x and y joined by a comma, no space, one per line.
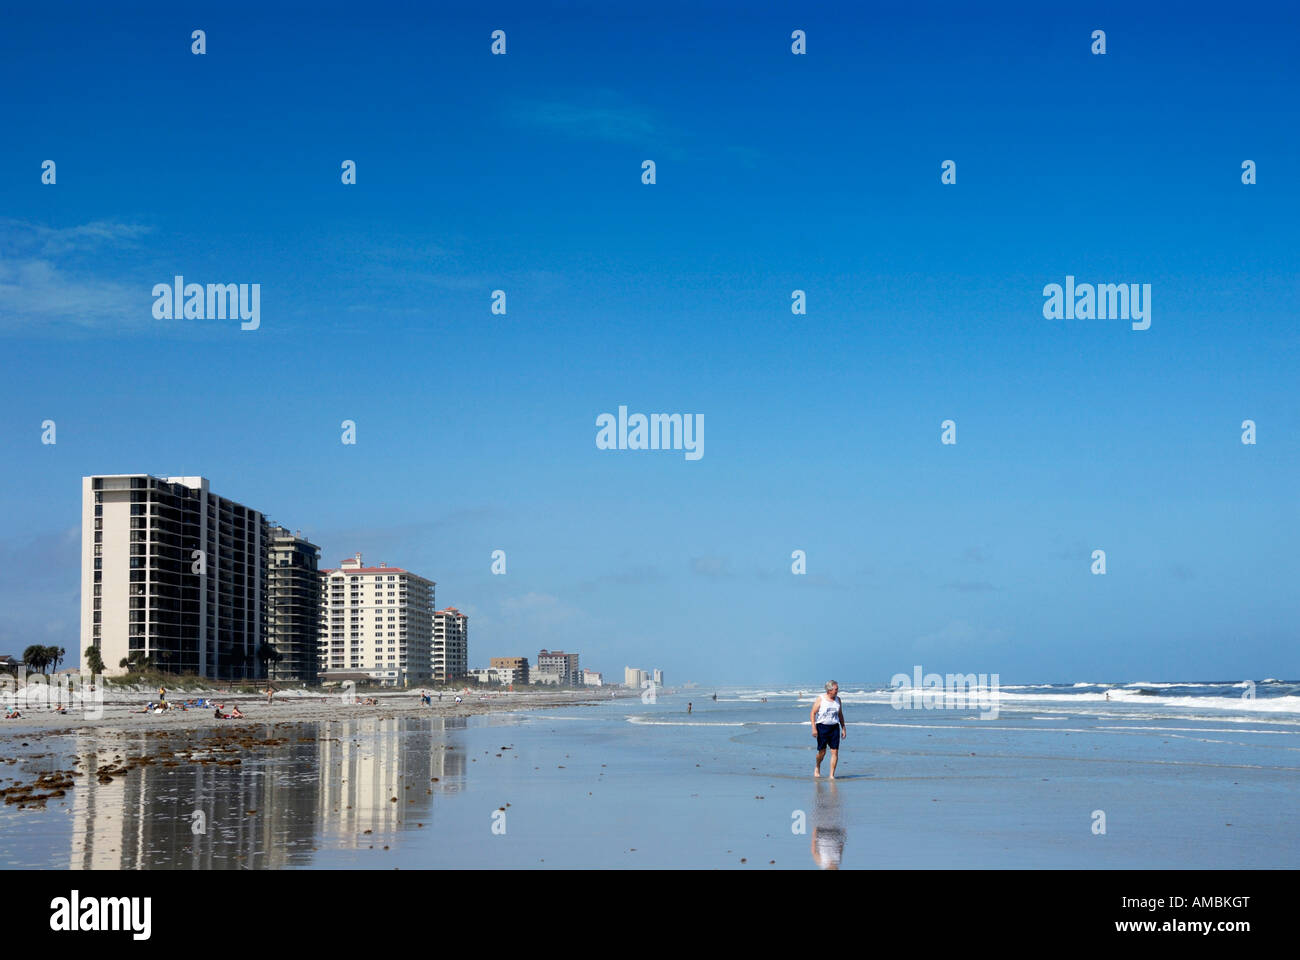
831,683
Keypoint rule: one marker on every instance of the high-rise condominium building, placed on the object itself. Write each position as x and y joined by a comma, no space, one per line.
450,659
378,621
293,607
171,571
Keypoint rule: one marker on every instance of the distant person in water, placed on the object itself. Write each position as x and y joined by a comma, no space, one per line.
715,698
827,719
689,705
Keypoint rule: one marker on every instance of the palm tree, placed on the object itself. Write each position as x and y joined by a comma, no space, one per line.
269,657
36,657
137,662
94,660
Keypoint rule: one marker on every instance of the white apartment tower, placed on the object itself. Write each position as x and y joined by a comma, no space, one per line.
172,572
450,660
377,621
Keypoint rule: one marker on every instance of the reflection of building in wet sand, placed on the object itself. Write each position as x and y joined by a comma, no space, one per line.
255,814
366,763
828,833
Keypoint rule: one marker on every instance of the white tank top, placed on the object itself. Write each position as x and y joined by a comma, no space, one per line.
828,711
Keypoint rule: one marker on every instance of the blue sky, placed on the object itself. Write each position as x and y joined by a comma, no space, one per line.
774,172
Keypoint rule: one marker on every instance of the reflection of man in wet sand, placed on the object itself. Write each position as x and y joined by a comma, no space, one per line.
827,719
828,834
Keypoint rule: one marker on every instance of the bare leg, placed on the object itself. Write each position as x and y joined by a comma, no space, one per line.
817,771
835,760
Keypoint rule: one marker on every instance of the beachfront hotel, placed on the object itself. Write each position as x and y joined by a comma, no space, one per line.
450,659
293,607
171,571
376,621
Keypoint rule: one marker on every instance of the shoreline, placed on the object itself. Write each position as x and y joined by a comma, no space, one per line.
123,713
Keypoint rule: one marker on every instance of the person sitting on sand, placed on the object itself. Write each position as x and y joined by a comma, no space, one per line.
217,712
235,713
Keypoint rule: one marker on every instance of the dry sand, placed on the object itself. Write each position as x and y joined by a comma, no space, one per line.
122,710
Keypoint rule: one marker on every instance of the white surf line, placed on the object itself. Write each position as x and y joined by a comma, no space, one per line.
1127,731
1125,760
642,722
1235,743
1290,733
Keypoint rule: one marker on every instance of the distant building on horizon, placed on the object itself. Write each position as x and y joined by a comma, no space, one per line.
518,667
591,678
636,679
378,620
293,607
172,572
450,651
502,675
563,666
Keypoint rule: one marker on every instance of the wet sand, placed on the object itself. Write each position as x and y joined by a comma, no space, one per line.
195,737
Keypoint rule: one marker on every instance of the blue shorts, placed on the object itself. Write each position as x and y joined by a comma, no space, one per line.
828,735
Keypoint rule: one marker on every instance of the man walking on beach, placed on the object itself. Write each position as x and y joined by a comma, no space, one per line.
827,719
